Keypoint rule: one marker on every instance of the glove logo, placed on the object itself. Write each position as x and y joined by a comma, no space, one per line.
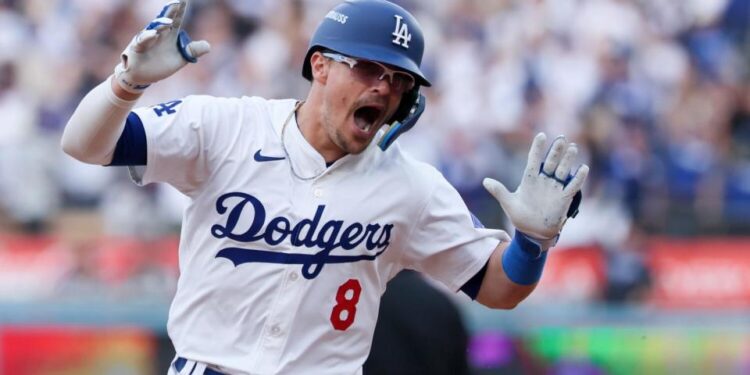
401,34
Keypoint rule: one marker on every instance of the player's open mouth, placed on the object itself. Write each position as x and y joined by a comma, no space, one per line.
367,117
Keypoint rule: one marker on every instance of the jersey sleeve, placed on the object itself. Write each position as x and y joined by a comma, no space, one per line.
444,242
185,140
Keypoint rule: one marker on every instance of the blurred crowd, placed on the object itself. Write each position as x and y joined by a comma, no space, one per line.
655,92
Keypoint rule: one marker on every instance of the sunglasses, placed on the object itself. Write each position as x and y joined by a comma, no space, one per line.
371,72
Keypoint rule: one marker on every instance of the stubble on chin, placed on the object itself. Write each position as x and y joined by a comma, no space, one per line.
338,136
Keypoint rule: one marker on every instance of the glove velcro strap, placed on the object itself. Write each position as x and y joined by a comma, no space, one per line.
523,260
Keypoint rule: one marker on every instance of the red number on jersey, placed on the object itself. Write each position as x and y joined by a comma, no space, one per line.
343,313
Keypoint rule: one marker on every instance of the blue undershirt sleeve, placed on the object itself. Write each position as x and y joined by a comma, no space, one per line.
131,147
471,288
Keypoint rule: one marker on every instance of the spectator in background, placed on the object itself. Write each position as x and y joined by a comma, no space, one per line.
628,278
666,77
26,193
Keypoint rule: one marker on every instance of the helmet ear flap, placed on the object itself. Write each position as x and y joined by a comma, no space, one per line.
407,101
411,108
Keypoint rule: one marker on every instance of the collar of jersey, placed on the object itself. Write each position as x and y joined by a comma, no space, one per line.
308,161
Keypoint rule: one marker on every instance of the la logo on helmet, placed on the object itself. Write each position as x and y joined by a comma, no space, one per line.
401,34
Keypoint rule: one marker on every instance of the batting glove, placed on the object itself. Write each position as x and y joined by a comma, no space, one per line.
159,50
542,203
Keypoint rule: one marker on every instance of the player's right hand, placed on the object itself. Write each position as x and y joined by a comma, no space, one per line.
158,51
541,204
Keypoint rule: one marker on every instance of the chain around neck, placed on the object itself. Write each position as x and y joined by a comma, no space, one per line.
283,144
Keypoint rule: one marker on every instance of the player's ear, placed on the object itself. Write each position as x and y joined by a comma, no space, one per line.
320,66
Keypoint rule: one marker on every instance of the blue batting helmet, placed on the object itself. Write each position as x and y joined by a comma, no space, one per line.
375,30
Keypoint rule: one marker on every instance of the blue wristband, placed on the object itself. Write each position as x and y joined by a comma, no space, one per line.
523,260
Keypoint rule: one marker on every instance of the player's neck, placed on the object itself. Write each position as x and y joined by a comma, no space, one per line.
310,124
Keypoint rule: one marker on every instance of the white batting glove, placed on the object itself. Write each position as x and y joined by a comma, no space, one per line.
159,50
540,205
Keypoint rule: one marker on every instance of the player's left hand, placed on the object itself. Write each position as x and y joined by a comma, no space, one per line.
540,205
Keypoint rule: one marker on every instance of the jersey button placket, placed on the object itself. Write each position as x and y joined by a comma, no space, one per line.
282,316
276,330
318,192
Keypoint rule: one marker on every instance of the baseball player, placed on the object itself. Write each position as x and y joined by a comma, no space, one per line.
302,210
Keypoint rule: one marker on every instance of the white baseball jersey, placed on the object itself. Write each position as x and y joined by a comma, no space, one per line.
281,274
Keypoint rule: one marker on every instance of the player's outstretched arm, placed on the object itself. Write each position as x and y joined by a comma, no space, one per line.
547,196
155,53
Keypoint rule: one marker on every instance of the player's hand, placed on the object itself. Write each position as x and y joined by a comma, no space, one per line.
541,204
159,50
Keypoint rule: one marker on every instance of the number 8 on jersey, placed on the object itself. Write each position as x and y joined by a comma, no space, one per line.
342,315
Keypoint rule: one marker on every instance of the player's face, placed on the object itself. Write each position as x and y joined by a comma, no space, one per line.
358,99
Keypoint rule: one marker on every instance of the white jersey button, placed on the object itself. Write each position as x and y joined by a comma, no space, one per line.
318,193
275,330
293,276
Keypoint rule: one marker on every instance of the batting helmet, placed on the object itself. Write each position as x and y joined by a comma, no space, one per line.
375,30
